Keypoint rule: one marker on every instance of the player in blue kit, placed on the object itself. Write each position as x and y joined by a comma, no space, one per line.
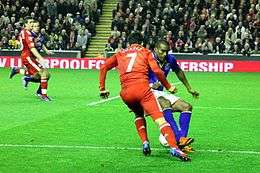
43,75
170,103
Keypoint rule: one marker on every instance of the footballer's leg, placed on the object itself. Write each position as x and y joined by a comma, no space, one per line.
184,120
140,122
36,78
45,75
168,115
140,125
27,79
33,69
151,107
17,70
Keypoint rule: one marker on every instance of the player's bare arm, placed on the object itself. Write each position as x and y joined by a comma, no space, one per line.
109,64
182,77
37,54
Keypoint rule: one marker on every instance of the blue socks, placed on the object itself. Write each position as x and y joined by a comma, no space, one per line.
184,122
31,79
169,118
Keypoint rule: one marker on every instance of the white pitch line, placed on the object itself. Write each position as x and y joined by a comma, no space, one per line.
227,108
115,97
103,101
119,148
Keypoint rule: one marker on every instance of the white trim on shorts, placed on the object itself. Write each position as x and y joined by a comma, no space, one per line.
172,98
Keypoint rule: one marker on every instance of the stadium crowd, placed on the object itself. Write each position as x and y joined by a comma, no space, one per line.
206,26
66,24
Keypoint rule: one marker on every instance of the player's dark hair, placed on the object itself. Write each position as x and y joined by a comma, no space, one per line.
135,38
26,19
161,41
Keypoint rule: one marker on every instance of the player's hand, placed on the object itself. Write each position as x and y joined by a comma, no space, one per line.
172,90
104,94
156,85
194,93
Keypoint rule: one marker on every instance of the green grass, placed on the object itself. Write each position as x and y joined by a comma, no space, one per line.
225,121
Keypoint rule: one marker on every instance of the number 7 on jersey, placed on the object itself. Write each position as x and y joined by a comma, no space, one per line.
132,57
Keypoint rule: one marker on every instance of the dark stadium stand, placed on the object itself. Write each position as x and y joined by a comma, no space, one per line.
206,26
215,26
67,25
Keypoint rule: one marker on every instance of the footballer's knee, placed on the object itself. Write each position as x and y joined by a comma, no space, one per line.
44,74
138,116
186,107
164,103
160,121
189,107
181,106
48,75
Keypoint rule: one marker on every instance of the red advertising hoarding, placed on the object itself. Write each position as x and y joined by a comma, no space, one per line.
186,65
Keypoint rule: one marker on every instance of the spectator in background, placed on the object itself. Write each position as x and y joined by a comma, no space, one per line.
108,48
90,25
72,38
113,41
2,8
65,39
257,45
115,32
88,35
62,7
4,43
81,43
237,47
179,45
202,32
13,43
120,46
61,44
228,40
218,46
207,47
170,40
188,46
198,45
246,50
52,9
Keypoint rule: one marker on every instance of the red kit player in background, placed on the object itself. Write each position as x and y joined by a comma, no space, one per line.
133,64
32,60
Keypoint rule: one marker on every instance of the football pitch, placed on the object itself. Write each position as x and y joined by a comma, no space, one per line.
76,132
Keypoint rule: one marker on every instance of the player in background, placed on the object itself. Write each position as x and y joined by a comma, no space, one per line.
168,102
35,64
133,64
39,41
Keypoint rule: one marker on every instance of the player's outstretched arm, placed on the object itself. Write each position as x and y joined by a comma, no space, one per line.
39,57
182,77
109,64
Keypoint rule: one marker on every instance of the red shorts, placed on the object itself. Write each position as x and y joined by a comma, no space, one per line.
139,98
32,65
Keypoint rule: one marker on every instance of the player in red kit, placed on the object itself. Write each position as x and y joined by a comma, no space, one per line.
133,64
32,60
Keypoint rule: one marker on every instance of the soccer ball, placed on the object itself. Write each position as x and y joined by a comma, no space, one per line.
163,140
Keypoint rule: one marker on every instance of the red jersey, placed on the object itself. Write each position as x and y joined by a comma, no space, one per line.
27,43
133,64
